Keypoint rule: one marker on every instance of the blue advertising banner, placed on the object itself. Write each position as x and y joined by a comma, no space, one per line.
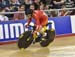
62,25
10,30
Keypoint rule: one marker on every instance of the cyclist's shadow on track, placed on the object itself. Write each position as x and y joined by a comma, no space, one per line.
42,52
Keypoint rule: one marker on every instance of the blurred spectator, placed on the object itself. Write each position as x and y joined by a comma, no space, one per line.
14,2
10,9
53,14
18,5
32,7
64,12
73,12
2,16
21,1
48,2
13,8
44,1
69,4
36,4
14,5
27,4
7,9
28,1
73,2
47,7
57,4
5,2
0,3
19,16
42,7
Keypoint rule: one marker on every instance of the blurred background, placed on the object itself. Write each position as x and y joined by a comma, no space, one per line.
14,9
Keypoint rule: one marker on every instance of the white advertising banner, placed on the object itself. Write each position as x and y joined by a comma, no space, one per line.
73,23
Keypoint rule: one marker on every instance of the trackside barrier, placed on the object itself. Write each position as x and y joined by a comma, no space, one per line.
10,30
57,11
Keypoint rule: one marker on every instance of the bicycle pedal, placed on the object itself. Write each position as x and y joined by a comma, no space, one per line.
44,35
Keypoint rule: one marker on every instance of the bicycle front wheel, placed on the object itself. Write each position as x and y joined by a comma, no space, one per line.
25,40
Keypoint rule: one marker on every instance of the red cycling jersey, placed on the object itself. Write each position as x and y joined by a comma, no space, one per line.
41,19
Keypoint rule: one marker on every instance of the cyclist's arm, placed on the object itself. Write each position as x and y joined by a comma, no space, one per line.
29,20
37,24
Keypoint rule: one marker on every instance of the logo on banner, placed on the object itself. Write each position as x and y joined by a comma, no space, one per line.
14,30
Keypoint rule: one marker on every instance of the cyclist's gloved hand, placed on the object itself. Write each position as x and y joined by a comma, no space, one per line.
27,26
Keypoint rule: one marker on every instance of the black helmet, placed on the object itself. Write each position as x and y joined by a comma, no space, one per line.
29,11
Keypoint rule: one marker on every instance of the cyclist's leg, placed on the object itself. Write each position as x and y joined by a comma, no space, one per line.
43,24
44,28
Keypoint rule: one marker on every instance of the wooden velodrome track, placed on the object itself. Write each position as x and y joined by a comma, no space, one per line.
61,47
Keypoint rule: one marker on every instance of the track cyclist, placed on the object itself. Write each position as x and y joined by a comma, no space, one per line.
41,19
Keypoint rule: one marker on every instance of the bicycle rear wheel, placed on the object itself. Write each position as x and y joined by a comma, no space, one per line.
48,39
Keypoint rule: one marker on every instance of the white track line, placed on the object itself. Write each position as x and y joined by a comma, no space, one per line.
62,47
